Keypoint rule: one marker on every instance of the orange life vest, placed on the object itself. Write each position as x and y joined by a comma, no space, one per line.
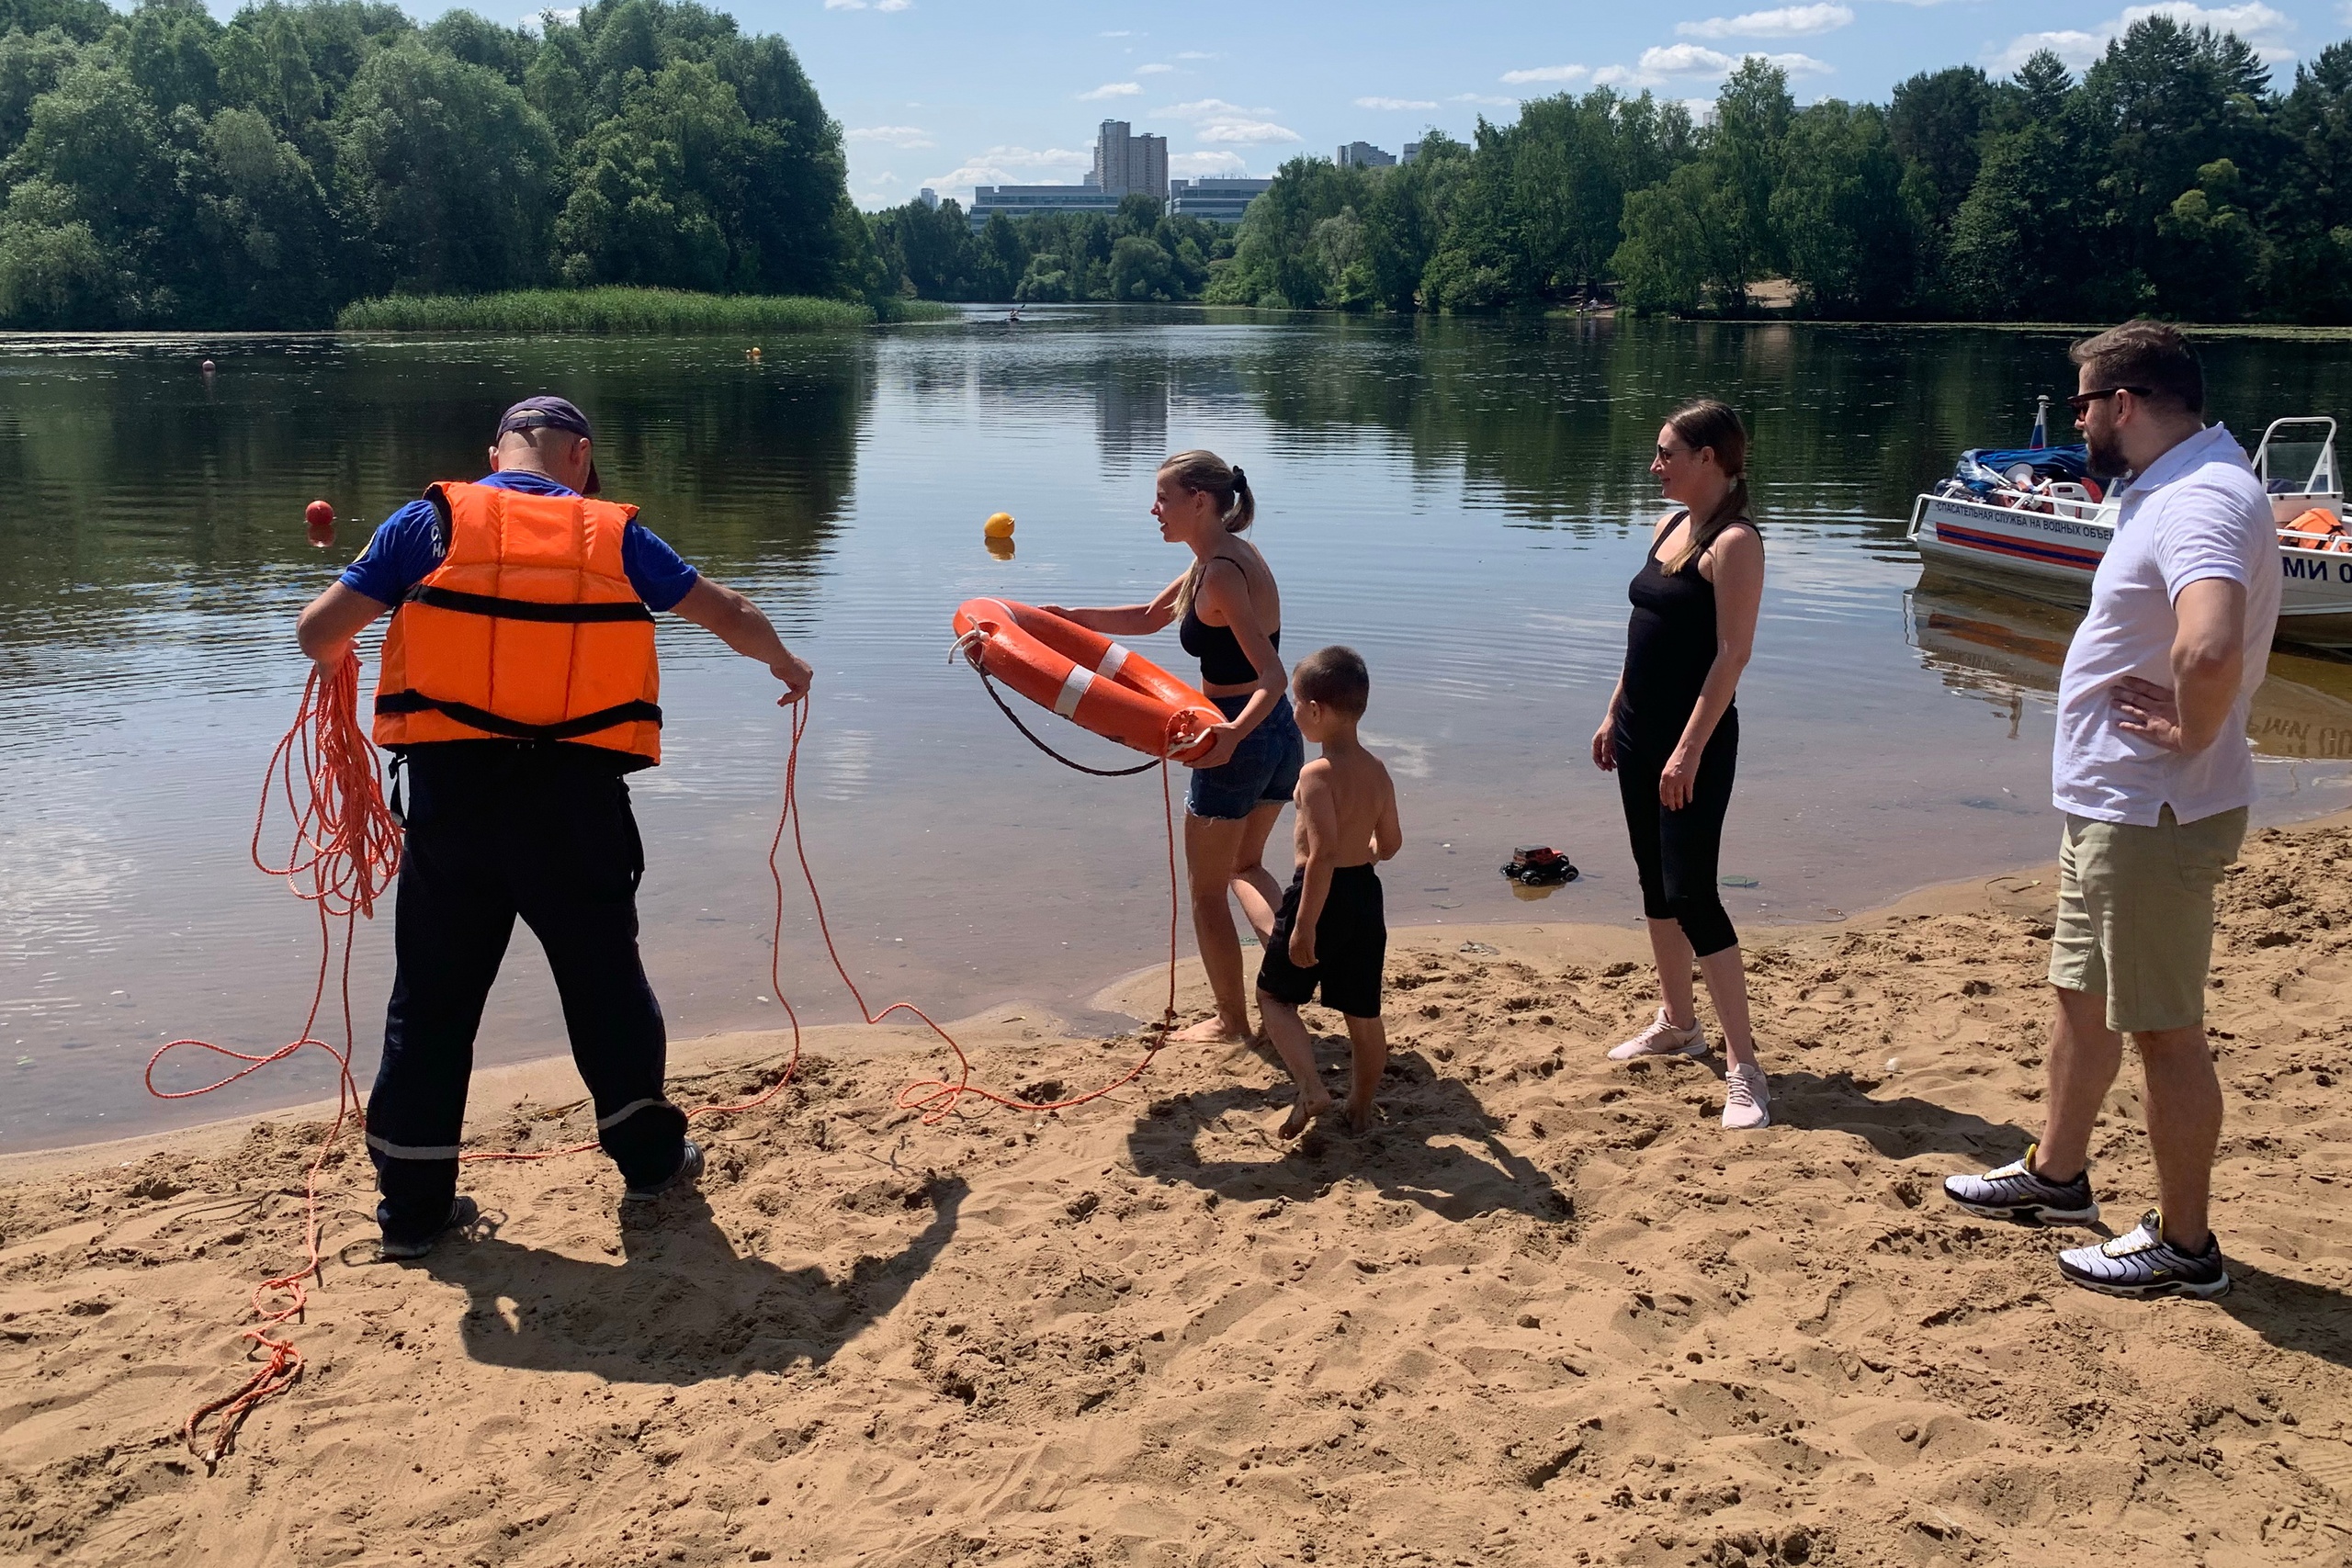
527,630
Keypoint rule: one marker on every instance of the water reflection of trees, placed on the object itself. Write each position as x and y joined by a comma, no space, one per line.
1554,419
130,473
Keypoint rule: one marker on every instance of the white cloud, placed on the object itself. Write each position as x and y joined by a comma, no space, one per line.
1111,90
1193,165
1659,65
894,135
1249,132
2076,48
844,4
2265,30
1502,103
1214,119
537,22
1786,21
1120,32
1153,70
895,6
1547,73
1417,103
1010,165
1205,109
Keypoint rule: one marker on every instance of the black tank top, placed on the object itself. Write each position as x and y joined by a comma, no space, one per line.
1670,647
1222,661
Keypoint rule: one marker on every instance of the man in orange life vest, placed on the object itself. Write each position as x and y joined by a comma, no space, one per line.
518,688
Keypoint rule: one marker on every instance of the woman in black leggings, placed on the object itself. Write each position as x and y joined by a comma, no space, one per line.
1672,737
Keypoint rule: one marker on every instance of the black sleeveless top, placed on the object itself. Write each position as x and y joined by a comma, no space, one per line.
1670,647
1223,663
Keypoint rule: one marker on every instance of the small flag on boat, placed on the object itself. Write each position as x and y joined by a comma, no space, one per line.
2041,423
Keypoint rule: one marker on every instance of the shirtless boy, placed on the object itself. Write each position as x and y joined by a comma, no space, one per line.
1330,931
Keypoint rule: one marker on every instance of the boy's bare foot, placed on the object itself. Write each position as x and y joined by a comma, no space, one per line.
1361,1117
1303,1114
1213,1032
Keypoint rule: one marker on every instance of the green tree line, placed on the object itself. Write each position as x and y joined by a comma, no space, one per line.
161,168
2174,177
1138,252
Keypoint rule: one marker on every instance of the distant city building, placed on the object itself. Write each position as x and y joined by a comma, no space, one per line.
929,197
1364,155
1023,202
1412,150
1220,198
1125,164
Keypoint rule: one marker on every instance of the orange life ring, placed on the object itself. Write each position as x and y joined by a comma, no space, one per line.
1087,678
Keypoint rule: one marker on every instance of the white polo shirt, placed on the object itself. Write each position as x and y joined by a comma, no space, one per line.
2198,512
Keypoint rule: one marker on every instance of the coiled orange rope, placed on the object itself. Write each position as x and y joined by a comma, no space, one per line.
346,849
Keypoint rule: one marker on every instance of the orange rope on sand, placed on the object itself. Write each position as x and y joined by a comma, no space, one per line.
346,848
937,1097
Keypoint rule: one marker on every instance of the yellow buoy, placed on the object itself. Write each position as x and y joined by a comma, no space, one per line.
998,526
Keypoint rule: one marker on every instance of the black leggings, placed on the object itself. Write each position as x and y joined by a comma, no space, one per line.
1676,851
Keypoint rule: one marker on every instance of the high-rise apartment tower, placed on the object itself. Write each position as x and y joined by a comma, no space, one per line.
1124,164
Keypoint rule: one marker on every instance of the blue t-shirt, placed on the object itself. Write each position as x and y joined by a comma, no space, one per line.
407,547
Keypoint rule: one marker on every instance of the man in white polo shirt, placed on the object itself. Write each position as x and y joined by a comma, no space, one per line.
2155,773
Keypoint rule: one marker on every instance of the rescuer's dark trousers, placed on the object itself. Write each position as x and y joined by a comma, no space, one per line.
496,830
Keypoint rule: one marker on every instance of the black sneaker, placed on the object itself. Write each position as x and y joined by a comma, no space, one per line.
689,1171
2140,1262
463,1213
2015,1192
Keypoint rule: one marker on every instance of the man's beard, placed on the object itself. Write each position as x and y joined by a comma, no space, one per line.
2106,455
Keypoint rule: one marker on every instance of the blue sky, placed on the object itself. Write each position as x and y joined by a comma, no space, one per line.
951,93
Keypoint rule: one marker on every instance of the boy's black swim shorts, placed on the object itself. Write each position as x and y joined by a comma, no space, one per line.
1350,945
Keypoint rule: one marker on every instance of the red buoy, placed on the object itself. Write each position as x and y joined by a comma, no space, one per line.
320,518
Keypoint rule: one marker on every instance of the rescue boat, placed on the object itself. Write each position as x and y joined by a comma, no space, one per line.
1088,679
2036,521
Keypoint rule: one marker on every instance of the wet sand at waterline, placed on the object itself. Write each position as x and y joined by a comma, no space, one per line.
1548,1312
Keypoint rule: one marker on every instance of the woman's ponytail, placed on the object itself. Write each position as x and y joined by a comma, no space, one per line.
1243,509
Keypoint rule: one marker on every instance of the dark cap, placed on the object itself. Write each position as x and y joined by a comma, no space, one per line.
551,414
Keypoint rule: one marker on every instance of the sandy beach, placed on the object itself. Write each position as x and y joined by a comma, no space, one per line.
1548,1312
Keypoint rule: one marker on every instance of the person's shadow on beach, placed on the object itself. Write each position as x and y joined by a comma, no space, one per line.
1421,1152
683,1305
2293,1314
1897,1127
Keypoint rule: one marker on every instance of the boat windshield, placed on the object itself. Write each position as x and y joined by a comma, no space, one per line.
2297,457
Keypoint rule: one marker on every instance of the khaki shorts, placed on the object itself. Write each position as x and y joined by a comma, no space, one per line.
2135,915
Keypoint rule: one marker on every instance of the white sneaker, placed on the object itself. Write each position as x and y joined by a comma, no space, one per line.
1748,1103
1662,1039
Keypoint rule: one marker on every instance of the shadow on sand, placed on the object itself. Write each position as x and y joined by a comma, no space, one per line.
2293,1314
683,1305
1898,1127
1427,1151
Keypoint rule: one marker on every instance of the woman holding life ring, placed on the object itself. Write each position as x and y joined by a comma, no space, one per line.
1231,615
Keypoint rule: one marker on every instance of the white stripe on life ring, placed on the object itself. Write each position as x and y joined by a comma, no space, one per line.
1074,687
1113,658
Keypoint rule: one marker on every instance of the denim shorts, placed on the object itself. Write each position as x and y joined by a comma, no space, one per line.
1263,767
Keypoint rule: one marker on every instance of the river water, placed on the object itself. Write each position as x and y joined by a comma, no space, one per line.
1462,502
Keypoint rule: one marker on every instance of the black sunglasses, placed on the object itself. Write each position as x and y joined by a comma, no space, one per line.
2081,401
